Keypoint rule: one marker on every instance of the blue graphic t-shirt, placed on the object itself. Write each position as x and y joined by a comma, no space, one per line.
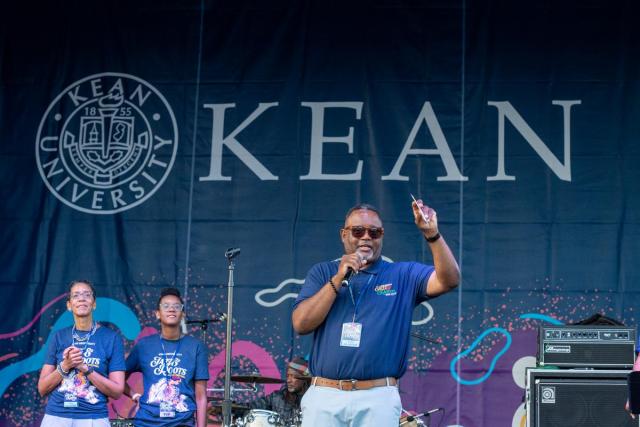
76,397
169,393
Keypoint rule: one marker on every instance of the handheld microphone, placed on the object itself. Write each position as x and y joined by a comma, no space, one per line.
347,277
351,272
183,326
232,253
216,318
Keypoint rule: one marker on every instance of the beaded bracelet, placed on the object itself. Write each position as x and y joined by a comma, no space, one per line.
61,371
333,286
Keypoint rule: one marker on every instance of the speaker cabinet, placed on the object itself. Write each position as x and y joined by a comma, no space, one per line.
580,398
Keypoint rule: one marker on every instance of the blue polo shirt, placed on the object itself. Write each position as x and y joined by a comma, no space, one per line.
169,371
384,296
76,397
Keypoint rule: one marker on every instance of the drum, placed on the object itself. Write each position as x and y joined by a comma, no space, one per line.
260,418
295,421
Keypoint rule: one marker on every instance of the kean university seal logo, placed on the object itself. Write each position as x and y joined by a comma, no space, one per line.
106,143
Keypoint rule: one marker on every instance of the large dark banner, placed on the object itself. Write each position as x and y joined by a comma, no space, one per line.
140,140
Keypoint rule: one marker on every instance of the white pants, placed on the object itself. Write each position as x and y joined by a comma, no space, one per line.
53,421
330,407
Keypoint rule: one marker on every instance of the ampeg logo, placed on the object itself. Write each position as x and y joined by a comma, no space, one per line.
548,394
554,348
106,143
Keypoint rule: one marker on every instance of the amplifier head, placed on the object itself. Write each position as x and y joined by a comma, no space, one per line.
598,347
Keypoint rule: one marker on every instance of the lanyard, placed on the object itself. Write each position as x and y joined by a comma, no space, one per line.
76,339
357,303
164,353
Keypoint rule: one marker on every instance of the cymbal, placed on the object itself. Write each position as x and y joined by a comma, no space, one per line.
216,406
256,379
302,377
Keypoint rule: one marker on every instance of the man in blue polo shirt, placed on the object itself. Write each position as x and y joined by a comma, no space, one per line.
361,331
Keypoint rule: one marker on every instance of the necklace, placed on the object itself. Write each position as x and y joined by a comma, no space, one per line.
76,338
169,362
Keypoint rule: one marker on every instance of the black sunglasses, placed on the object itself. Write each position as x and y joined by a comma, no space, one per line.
359,231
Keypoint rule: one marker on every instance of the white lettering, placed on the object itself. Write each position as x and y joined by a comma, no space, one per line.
154,161
53,163
158,364
92,361
45,147
75,196
117,87
62,184
96,88
141,97
441,148
135,188
218,141
506,110
318,139
162,142
96,203
150,178
116,198
428,116
75,98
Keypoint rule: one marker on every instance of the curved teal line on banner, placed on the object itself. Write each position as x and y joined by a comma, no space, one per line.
452,365
107,310
543,317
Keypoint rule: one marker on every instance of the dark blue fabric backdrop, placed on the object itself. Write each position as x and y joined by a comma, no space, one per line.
139,140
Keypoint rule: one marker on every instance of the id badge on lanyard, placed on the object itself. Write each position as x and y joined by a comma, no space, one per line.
352,331
70,400
167,410
81,343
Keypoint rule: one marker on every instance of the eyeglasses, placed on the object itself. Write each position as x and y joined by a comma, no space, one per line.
166,307
84,295
359,231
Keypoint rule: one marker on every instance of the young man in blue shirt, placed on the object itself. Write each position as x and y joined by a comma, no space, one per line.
174,371
361,331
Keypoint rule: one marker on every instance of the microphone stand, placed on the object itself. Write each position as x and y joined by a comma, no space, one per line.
423,338
203,327
204,324
226,402
418,417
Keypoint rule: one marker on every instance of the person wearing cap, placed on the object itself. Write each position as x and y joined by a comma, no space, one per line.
361,326
286,401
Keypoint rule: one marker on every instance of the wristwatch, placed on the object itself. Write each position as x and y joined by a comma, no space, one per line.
89,371
433,238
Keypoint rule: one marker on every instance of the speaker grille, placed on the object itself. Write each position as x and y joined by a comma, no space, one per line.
582,403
